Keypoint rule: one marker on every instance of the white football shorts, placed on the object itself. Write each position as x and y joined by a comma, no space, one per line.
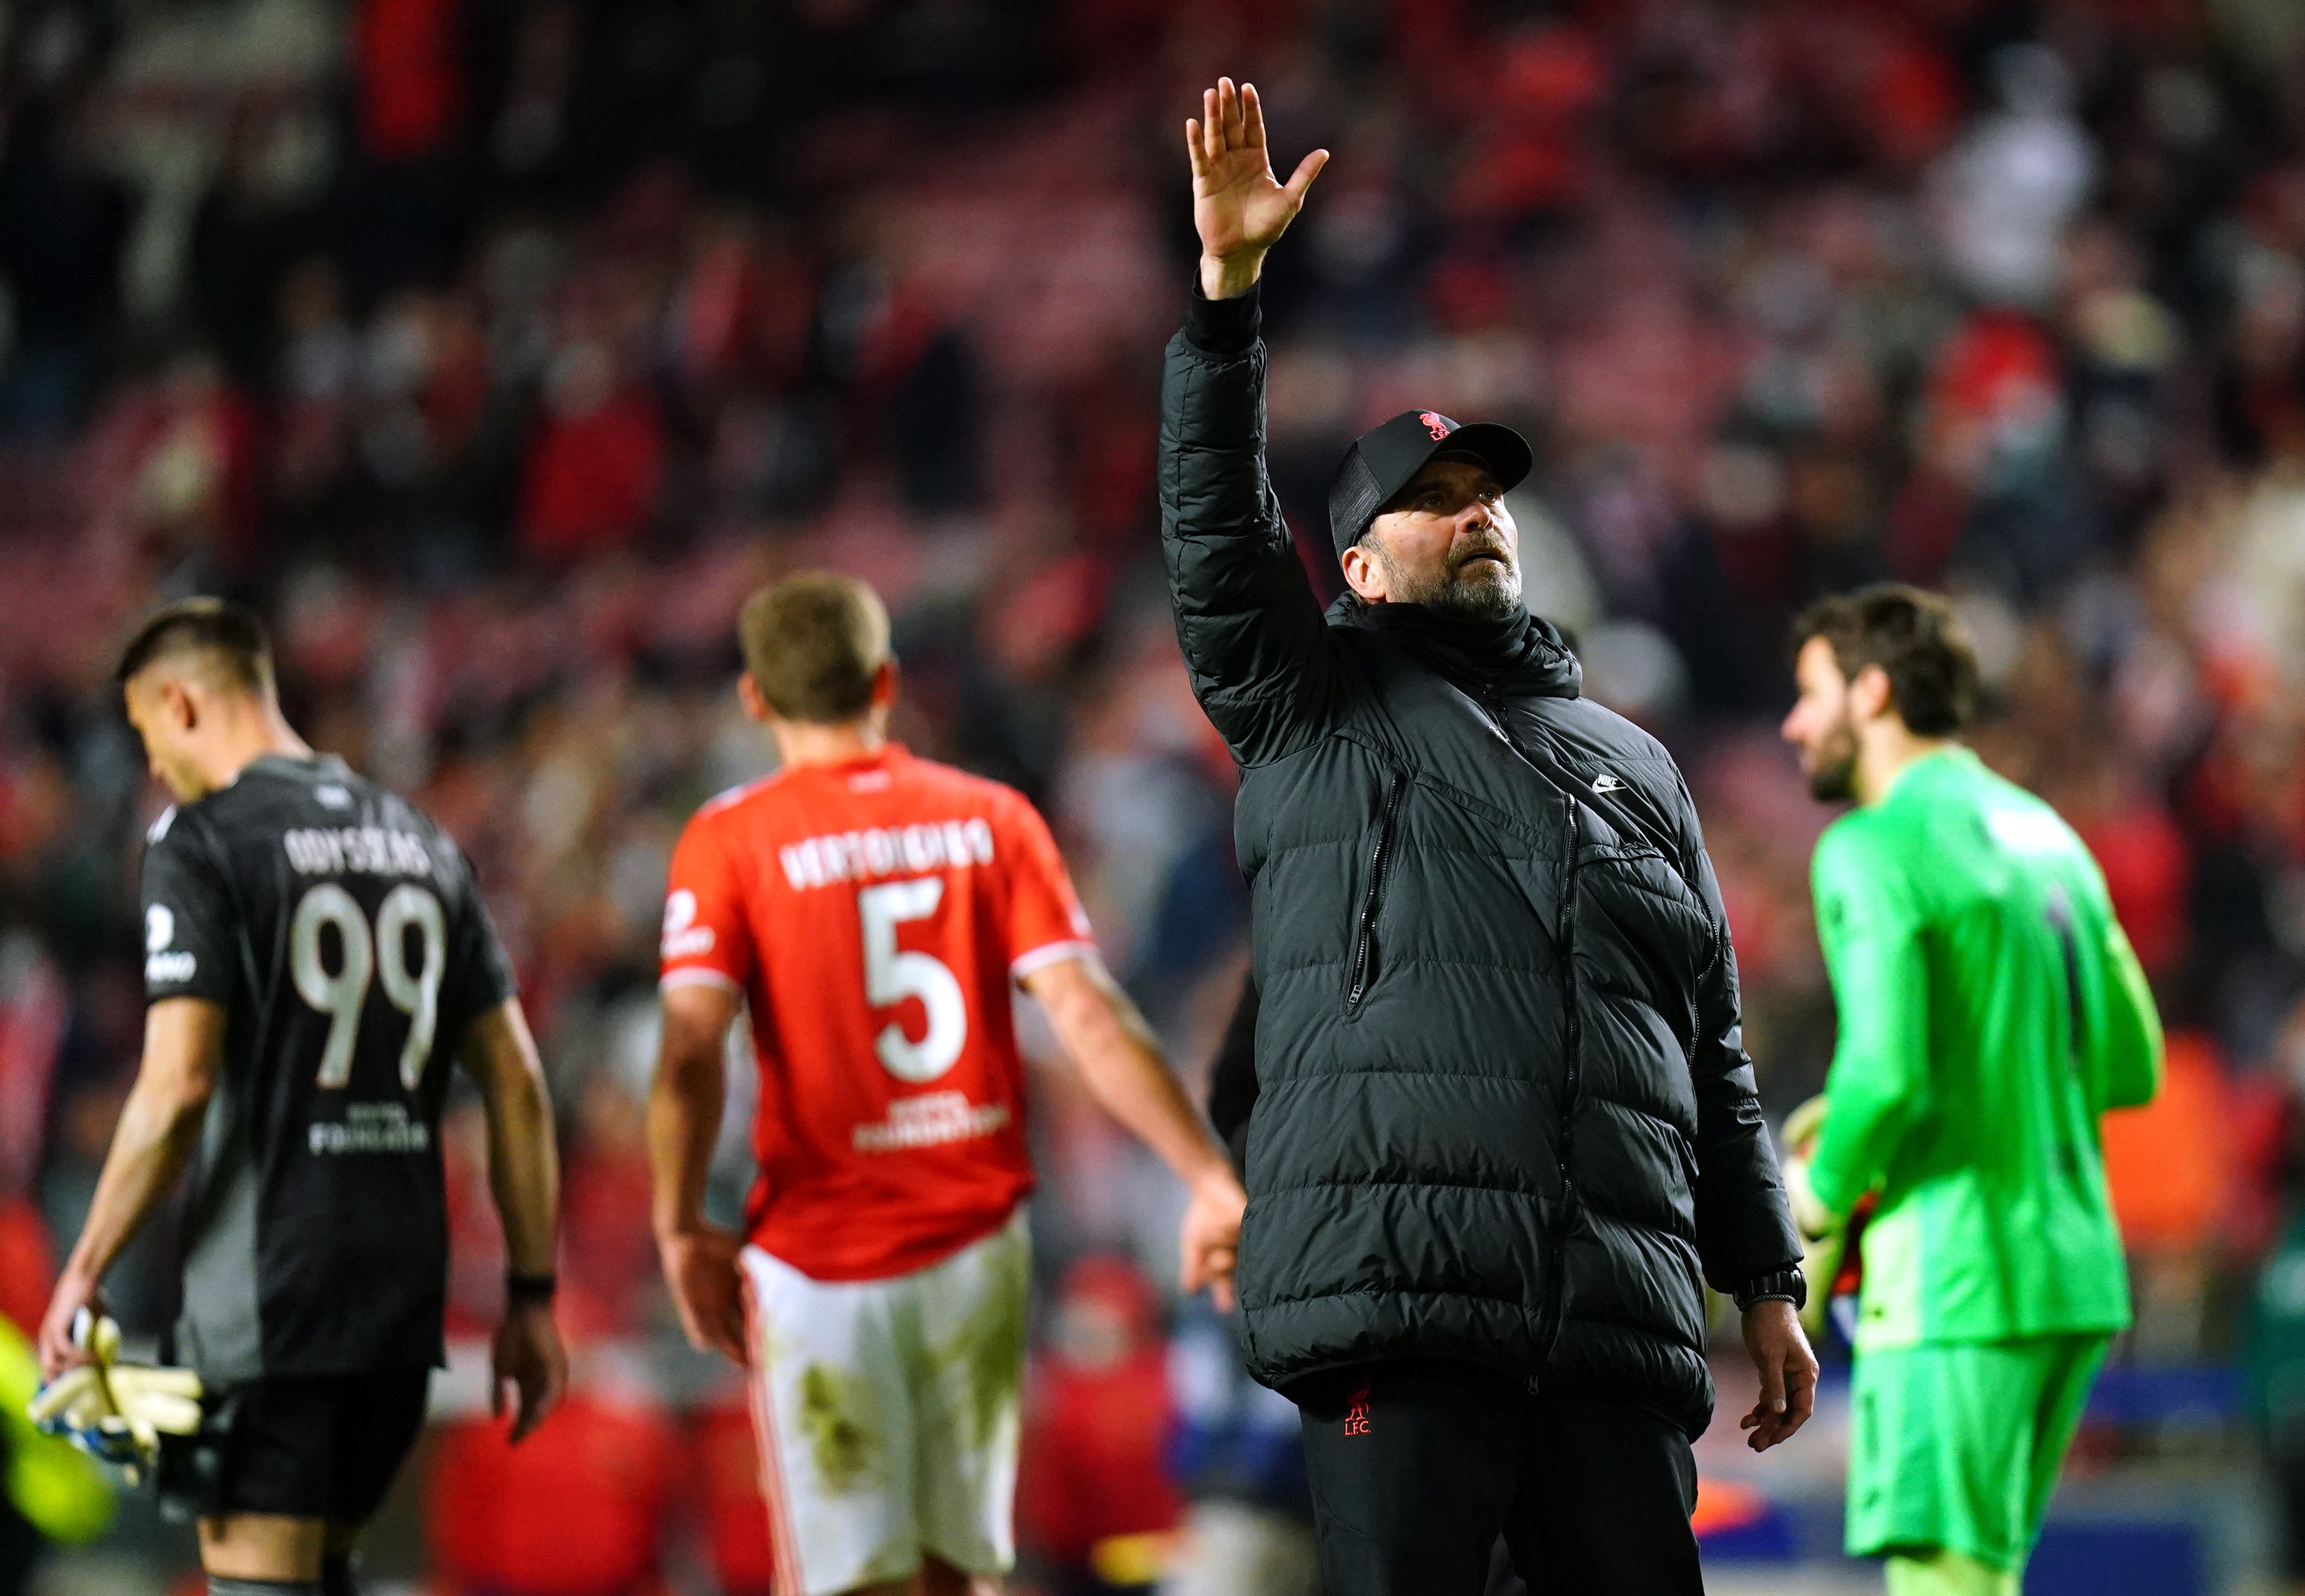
887,1414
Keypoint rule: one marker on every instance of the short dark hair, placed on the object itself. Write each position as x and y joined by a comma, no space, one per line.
815,643
228,634
1916,639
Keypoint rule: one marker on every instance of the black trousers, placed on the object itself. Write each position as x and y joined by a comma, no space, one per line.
1418,1465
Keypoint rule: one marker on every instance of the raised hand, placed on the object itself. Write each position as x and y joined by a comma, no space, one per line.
1238,207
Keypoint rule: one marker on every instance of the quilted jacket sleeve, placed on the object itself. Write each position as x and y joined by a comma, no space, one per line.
1744,1225
1262,662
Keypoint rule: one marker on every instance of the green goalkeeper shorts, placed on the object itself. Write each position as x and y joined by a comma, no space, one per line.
1957,1445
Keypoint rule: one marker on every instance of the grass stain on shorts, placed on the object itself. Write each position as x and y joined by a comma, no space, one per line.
989,1350
838,1416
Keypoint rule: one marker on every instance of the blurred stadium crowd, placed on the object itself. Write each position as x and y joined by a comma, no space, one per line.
496,348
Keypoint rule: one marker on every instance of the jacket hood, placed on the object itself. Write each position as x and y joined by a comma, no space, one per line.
1537,662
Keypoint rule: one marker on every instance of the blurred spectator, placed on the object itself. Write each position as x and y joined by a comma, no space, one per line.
1239,1454
1238,1450
28,1264
577,1509
2171,1165
409,86
2016,178
596,461
60,255
736,1514
609,1268
2275,1362
1093,1498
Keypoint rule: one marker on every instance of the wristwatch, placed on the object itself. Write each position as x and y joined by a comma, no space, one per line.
1778,1285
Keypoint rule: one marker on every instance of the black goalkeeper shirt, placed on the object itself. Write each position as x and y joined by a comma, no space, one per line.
344,935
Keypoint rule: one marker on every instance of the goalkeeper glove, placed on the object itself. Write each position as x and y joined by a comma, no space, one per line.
114,1411
1829,1256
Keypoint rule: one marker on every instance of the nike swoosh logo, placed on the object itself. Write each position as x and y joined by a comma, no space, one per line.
1607,784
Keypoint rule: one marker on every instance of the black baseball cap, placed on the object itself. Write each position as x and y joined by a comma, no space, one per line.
1384,460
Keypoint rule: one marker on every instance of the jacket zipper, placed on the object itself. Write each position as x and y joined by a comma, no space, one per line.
1573,1049
1493,703
1365,928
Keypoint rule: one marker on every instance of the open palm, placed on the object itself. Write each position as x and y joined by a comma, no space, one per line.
1238,207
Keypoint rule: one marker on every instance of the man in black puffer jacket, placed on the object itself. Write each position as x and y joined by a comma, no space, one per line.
1504,1128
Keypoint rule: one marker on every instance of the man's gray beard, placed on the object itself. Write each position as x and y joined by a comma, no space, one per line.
1495,600
1482,600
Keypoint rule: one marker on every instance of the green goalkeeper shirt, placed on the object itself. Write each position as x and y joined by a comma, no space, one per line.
1990,1010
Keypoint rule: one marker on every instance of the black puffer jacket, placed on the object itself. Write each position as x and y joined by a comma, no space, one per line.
1503,1112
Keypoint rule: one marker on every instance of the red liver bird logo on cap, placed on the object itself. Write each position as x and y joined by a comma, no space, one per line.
1435,423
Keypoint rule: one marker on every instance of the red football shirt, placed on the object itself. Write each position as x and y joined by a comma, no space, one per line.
874,915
